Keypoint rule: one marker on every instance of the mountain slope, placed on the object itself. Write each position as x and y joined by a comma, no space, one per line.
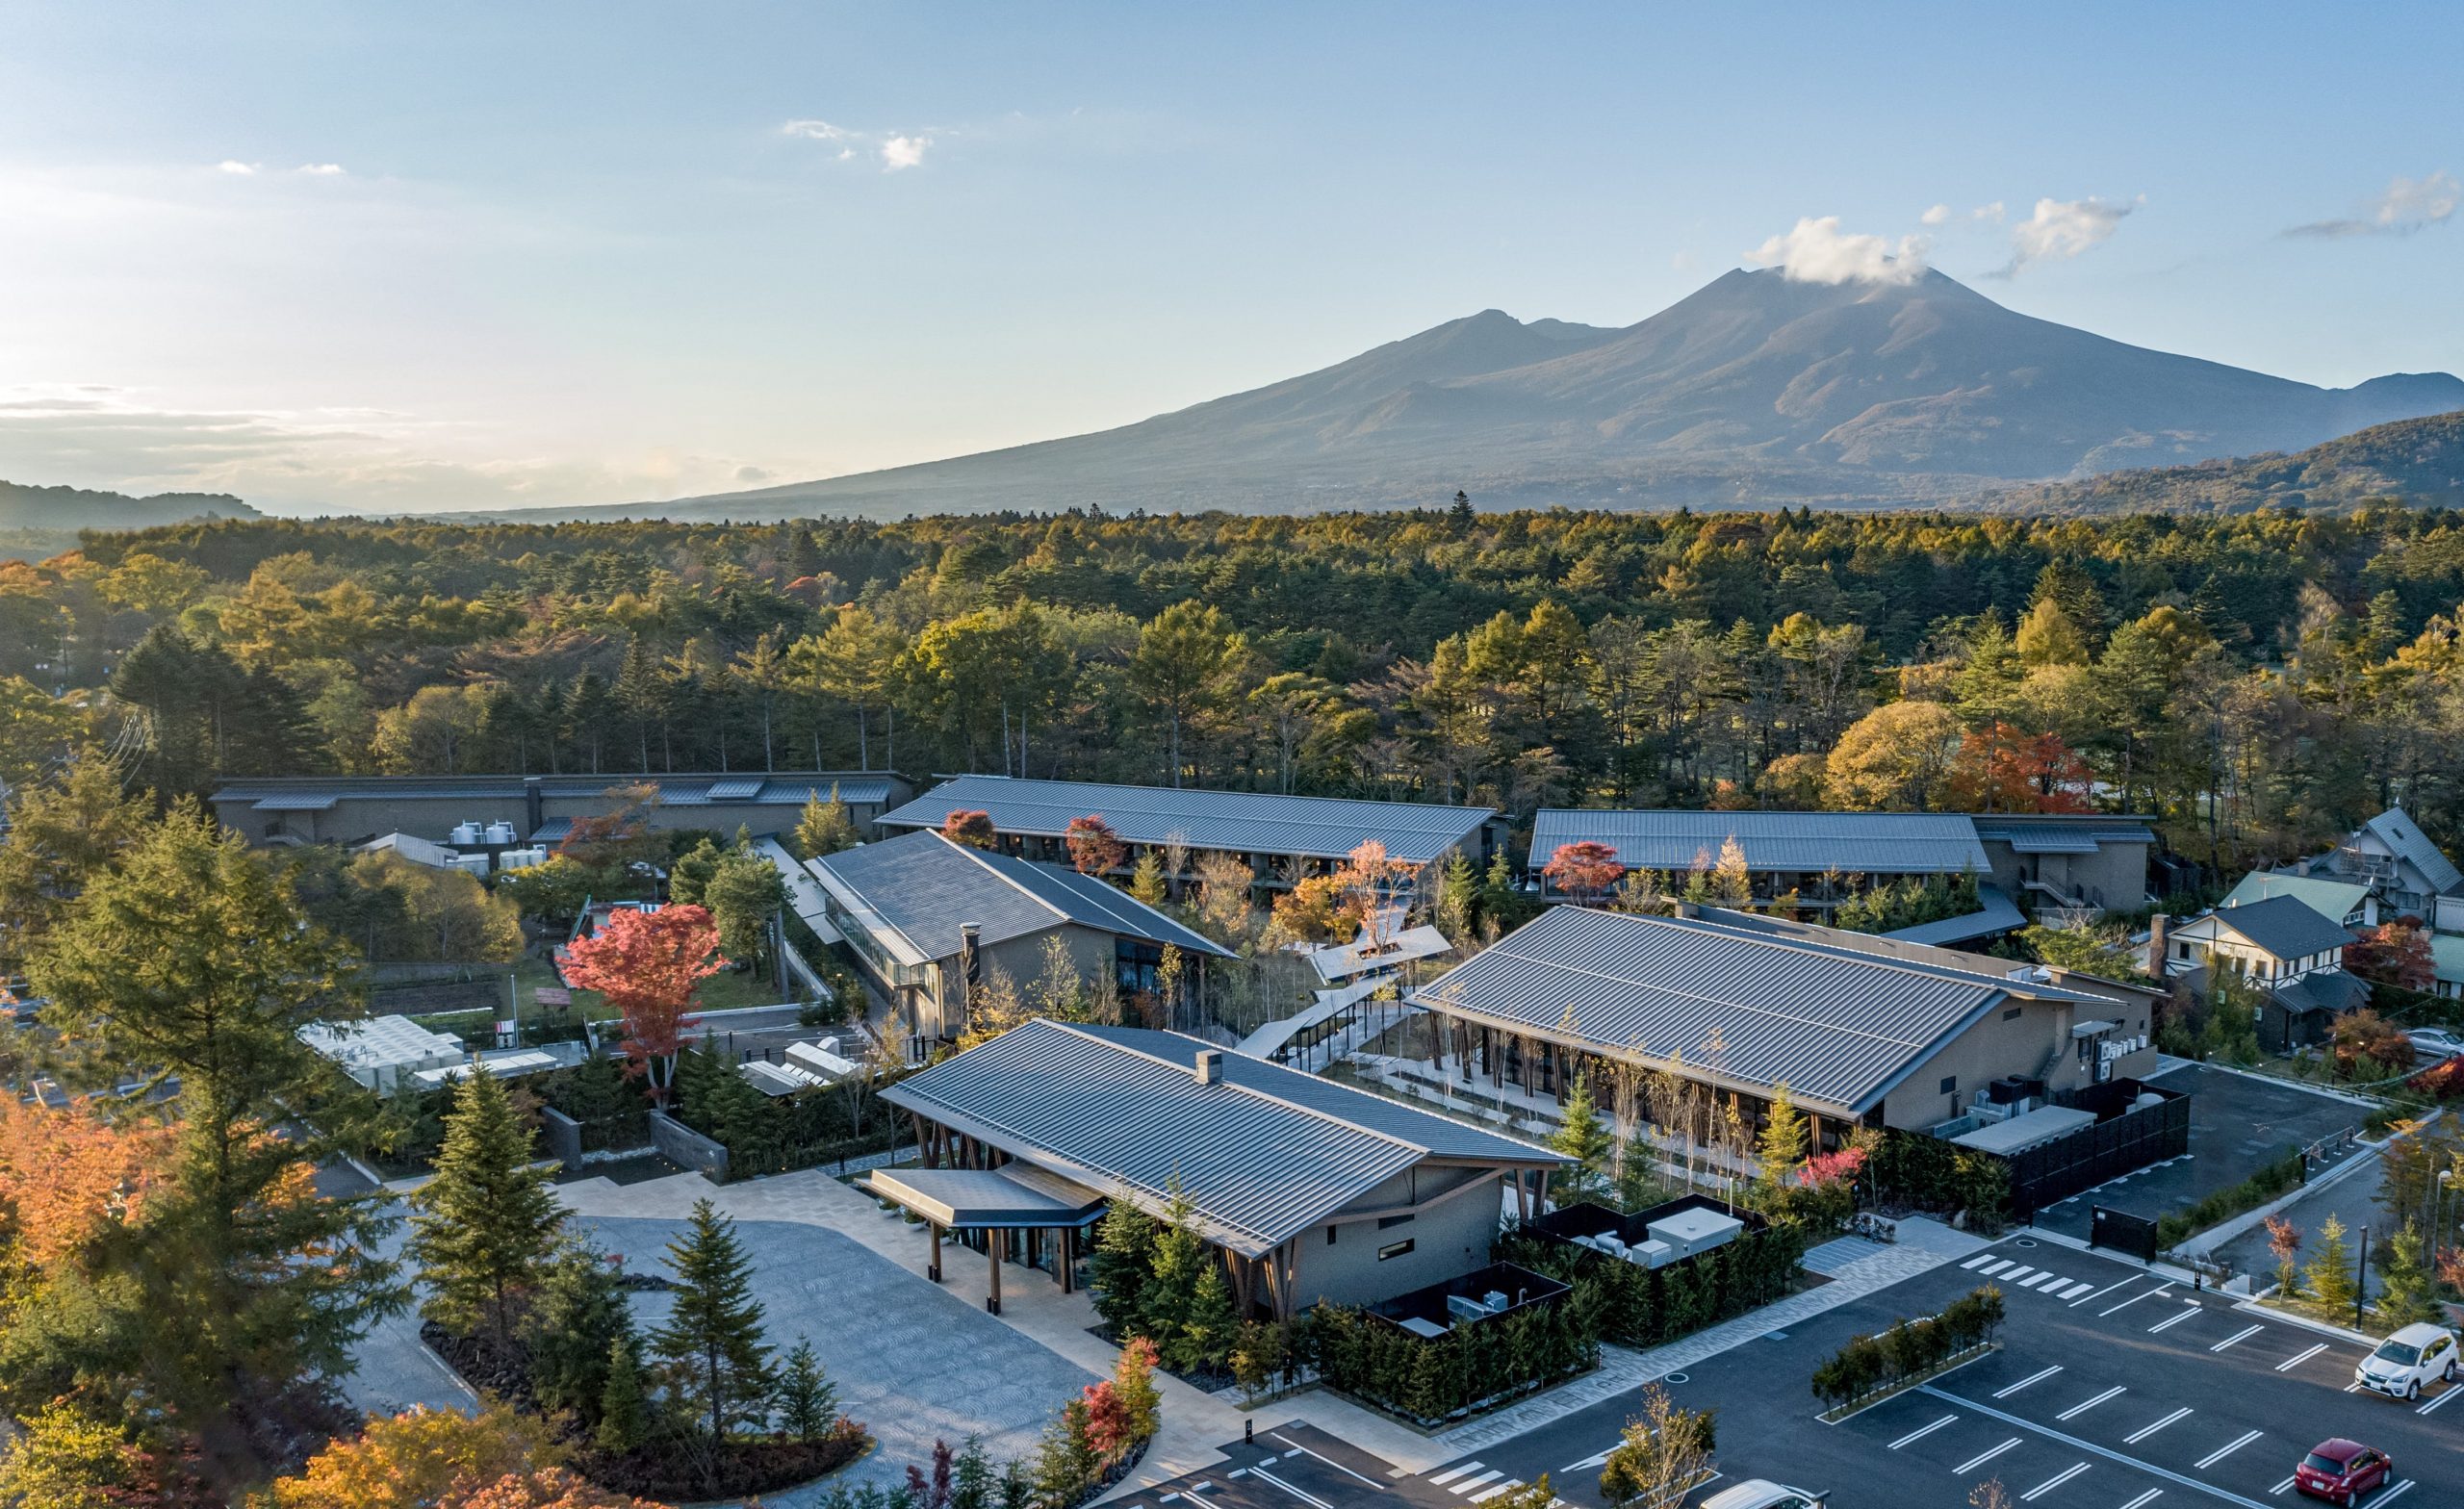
1754,390
23,506
2420,462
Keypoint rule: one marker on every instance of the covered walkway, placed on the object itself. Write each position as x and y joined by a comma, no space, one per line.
1011,1210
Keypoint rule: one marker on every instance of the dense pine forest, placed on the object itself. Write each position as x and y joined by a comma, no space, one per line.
2256,681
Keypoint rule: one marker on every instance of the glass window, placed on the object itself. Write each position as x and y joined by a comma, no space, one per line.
2398,1352
1395,1249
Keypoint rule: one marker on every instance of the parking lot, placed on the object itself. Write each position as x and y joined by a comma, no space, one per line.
2112,1390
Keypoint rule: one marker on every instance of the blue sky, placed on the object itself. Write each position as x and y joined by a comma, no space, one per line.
364,257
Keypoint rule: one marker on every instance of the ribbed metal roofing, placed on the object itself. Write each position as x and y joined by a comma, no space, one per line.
1996,914
1237,822
767,789
1258,1167
925,886
2396,828
2285,927
297,802
1753,1010
1796,843
2061,834
2332,899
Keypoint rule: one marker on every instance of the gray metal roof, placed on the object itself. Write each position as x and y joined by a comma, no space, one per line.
1996,914
1259,1166
1797,843
1237,822
1020,1195
2396,828
2332,991
924,886
2284,927
1737,1003
2059,833
772,788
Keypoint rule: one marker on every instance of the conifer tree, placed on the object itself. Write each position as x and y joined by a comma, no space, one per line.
1172,1273
1206,1334
1781,1147
2406,1291
1582,1136
807,1400
487,1225
824,828
624,1413
1146,878
1124,1249
710,1345
2330,1269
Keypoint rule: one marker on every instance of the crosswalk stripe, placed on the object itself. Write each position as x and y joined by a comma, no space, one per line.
1469,1483
2045,1281
1451,1474
2000,1266
1977,1261
1506,1487
2075,1291
2017,1274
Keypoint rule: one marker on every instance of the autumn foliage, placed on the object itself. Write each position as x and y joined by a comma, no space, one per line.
2000,768
2396,954
63,1171
647,964
974,829
444,1458
1093,847
1583,870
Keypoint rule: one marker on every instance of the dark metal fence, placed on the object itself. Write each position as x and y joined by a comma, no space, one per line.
2123,1141
2122,1232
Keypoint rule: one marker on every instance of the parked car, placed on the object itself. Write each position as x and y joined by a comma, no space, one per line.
1760,1493
2433,1045
2340,1471
2405,1361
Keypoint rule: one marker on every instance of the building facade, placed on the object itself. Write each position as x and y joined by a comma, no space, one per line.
534,809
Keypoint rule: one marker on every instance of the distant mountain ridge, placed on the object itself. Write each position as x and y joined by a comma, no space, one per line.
68,509
2418,462
1753,391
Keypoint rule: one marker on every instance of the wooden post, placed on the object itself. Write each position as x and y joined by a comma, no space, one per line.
992,1298
934,1272
1068,1260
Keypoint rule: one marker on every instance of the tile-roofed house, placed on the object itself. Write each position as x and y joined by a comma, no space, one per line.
907,906
1034,815
1315,1190
2283,946
1856,1027
2284,927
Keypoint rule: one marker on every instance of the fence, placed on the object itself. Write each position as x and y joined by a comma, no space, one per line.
2125,1140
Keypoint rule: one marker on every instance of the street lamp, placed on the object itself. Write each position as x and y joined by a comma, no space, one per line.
2437,1214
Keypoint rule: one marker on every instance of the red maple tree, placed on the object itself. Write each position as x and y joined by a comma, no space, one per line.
2007,769
1093,847
2394,953
1583,870
968,828
646,964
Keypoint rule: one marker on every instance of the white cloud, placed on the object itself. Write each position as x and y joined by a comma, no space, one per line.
237,168
2409,205
1987,212
319,169
2062,229
818,131
1816,251
897,149
903,152
1939,215
751,473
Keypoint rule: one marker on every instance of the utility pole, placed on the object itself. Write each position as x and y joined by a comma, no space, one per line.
2361,1280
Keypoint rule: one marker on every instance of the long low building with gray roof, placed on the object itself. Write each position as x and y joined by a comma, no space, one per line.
929,920
1310,1190
1280,838
1861,1029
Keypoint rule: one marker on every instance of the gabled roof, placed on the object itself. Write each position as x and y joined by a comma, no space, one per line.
781,788
1996,914
2062,832
2331,899
2332,991
2396,828
1811,843
1262,1154
1751,1003
2284,927
924,886
1236,822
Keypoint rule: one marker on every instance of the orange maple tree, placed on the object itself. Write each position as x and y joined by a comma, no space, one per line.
63,1171
1093,847
969,826
647,964
2007,769
1583,870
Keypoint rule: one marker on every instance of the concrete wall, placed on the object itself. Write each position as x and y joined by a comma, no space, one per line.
1447,1242
2115,876
2034,1044
680,1144
560,1138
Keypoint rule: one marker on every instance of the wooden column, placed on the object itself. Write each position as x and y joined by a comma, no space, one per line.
992,1297
934,1272
1068,1260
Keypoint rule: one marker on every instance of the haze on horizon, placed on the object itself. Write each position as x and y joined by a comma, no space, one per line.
352,258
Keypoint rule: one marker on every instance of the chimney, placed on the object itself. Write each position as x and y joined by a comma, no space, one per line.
2159,936
1210,1067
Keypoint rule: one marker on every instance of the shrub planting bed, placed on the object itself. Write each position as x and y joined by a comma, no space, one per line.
1910,1351
1638,1306
1476,1366
2280,1177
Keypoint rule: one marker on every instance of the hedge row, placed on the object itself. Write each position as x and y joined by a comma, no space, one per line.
1911,1348
1432,1379
1638,1306
2277,1177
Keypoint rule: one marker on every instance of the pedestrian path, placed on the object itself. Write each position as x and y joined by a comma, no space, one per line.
1923,1246
1834,1256
2015,1276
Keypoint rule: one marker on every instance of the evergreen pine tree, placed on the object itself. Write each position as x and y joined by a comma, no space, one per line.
624,1413
1146,878
2406,1292
716,1363
1172,1274
808,1402
486,1225
2330,1269
576,1317
824,828
1583,1138
1458,897
973,1482
1638,1181
1124,1249
1781,1147
1206,1336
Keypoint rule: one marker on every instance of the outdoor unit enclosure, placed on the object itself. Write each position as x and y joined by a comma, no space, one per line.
1689,1232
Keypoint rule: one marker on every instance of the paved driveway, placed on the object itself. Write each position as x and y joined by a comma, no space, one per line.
2238,1124
912,1360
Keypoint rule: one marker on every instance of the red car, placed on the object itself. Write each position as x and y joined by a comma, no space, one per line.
2342,1470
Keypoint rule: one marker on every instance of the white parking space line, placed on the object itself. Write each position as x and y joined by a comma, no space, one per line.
1506,1487
2238,1336
2452,1390
1311,1499
1329,1461
2227,1449
1451,1474
2281,1487
2147,1498
2132,1441
1975,1462
2175,1318
2092,1449
2300,1357
2075,1292
2144,1293
1922,1431
2033,1377
2053,1482
2085,1405
2391,1494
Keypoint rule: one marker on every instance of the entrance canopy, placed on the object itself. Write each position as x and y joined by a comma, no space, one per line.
1016,1197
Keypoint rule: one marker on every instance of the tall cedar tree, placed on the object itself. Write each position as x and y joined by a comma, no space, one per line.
1781,1146
1582,1136
61,832
624,1408
717,1365
487,1226
188,959
824,828
647,964
1124,1251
